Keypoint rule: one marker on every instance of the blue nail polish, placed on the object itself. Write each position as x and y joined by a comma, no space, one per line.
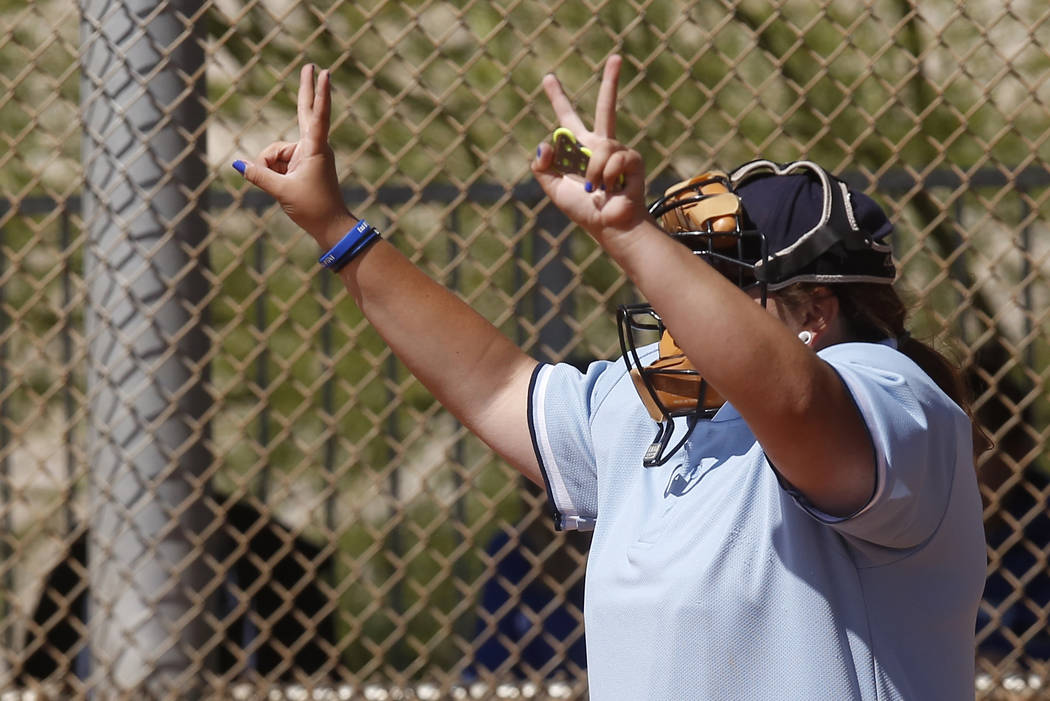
239,166
539,150
588,187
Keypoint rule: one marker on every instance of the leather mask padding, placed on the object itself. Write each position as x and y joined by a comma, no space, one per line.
676,382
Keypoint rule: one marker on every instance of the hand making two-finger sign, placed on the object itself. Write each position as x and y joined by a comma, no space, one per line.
609,199
301,175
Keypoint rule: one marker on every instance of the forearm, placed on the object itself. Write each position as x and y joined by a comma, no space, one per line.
469,366
475,371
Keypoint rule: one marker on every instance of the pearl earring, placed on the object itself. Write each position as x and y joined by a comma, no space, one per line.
806,337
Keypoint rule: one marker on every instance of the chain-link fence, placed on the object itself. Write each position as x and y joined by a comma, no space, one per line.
215,480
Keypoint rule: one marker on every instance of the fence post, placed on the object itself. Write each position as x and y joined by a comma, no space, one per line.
142,90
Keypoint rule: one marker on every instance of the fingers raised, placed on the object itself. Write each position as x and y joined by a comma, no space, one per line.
563,109
317,135
305,104
605,110
314,108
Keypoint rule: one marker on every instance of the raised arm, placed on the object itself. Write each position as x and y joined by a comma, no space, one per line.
794,402
468,365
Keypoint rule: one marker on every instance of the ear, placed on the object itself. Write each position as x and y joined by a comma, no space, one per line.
820,315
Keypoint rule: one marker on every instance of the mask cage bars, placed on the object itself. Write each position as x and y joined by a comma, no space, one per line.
641,318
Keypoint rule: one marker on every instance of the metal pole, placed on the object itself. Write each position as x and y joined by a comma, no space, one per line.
68,404
7,563
142,90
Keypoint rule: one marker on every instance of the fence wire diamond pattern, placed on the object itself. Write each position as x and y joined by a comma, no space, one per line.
201,437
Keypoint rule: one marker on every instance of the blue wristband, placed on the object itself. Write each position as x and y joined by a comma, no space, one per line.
364,243
355,241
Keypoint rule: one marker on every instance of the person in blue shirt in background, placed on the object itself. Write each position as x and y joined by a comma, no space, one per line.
531,619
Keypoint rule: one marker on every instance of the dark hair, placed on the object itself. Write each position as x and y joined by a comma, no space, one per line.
874,312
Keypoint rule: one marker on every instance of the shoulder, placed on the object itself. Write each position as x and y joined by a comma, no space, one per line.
894,395
921,440
862,353
592,384
881,367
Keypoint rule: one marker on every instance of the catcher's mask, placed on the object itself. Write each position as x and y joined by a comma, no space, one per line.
764,226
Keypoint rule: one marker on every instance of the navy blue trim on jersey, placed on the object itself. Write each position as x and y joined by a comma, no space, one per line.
558,519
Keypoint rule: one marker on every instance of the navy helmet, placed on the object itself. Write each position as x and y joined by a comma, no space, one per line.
763,225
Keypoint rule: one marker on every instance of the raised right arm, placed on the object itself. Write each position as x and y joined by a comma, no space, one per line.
475,371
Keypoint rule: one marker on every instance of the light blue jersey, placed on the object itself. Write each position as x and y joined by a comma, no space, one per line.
707,579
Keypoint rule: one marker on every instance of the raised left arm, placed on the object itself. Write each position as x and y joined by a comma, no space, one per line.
799,410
